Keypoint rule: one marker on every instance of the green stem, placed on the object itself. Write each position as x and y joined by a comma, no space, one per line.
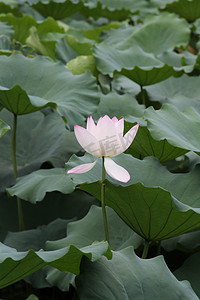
13,149
143,95
146,249
158,248
103,201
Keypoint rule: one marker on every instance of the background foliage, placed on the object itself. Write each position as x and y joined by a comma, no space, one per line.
62,61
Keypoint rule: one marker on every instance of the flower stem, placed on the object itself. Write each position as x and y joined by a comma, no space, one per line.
13,149
145,250
103,201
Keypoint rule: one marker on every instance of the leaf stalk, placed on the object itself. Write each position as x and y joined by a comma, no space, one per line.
14,160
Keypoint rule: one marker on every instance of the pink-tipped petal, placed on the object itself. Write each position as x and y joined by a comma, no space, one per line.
82,168
91,127
129,137
87,140
115,171
115,120
108,137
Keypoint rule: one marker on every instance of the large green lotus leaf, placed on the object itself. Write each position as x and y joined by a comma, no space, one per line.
17,265
39,139
151,212
55,205
190,271
17,101
183,60
44,36
7,6
76,96
183,92
120,10
58,9
46,48
145,145
139,66
89,229
172,31
21,25
188,9
3,128
35,34
33,187
181,129
35,239
149,171
136,55
129,277
117,105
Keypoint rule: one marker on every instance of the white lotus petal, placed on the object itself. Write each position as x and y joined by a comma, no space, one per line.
108,137
82,168
129,137
115,120
120,126
115,171
87,140
91,127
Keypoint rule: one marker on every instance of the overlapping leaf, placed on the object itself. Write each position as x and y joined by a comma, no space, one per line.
145,145
190,271
148,171
20,25
7,6
85,231
188,9
109,9
129,277
151,212
40,182
45,82
17,265
137,54
182,92
181,129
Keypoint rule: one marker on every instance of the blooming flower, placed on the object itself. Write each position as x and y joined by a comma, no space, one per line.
105,140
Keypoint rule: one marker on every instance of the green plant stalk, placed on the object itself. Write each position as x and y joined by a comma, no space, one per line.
103,201
158,248
13,150
143,96
146,249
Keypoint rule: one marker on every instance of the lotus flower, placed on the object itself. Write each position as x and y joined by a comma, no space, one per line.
105,140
